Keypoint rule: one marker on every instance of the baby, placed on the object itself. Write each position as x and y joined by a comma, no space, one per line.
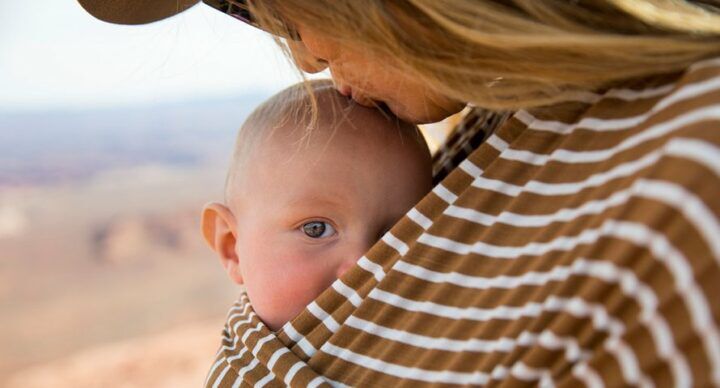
307,196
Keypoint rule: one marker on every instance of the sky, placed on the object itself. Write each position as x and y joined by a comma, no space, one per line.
53,55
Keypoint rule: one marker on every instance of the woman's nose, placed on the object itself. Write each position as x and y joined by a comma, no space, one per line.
304,59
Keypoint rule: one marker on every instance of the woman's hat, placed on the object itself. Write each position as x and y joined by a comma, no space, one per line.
135,11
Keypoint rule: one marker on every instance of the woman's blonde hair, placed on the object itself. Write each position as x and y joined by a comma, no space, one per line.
509,54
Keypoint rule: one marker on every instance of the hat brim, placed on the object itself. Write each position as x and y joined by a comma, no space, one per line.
135,11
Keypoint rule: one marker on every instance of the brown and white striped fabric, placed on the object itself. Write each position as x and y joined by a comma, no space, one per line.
578,245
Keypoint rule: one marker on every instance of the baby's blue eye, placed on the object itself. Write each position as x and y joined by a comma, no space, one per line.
318,229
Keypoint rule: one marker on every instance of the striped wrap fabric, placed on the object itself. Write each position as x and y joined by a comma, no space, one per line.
576,245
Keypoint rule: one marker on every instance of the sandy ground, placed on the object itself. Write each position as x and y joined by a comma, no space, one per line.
177,358
108,283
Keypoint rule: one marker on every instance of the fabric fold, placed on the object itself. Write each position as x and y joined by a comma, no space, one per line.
252,355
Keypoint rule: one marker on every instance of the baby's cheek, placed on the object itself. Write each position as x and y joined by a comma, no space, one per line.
281,287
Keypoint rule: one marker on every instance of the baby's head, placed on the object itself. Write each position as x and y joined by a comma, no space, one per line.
303,205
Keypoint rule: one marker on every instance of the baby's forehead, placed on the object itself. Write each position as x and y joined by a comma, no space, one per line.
316,110
350,136
335,131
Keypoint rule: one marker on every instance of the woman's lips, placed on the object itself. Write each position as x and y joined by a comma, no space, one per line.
362,99
345,90
358,97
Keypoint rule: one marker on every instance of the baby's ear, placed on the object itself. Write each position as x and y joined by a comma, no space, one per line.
218,229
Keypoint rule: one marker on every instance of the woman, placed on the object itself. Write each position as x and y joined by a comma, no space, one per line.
577,242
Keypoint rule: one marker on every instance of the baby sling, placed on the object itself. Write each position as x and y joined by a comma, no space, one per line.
575,245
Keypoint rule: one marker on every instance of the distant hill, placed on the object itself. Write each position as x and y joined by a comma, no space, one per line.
48,147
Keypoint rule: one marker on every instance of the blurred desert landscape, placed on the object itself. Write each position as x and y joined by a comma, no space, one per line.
104,279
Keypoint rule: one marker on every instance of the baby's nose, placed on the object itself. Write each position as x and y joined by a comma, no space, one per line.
353,253
345,265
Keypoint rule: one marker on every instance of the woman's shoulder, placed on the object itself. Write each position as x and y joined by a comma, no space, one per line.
652,114
677,99
676,116
652,111
657,138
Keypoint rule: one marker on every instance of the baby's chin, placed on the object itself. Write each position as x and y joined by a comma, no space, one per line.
273,322
274,326
276,321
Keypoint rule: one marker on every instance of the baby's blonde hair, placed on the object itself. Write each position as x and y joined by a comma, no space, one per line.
293,105
510,54
294,112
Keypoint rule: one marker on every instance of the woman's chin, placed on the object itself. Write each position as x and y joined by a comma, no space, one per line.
423,115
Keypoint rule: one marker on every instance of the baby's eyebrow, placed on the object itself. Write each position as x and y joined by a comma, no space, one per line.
315,200
327,207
